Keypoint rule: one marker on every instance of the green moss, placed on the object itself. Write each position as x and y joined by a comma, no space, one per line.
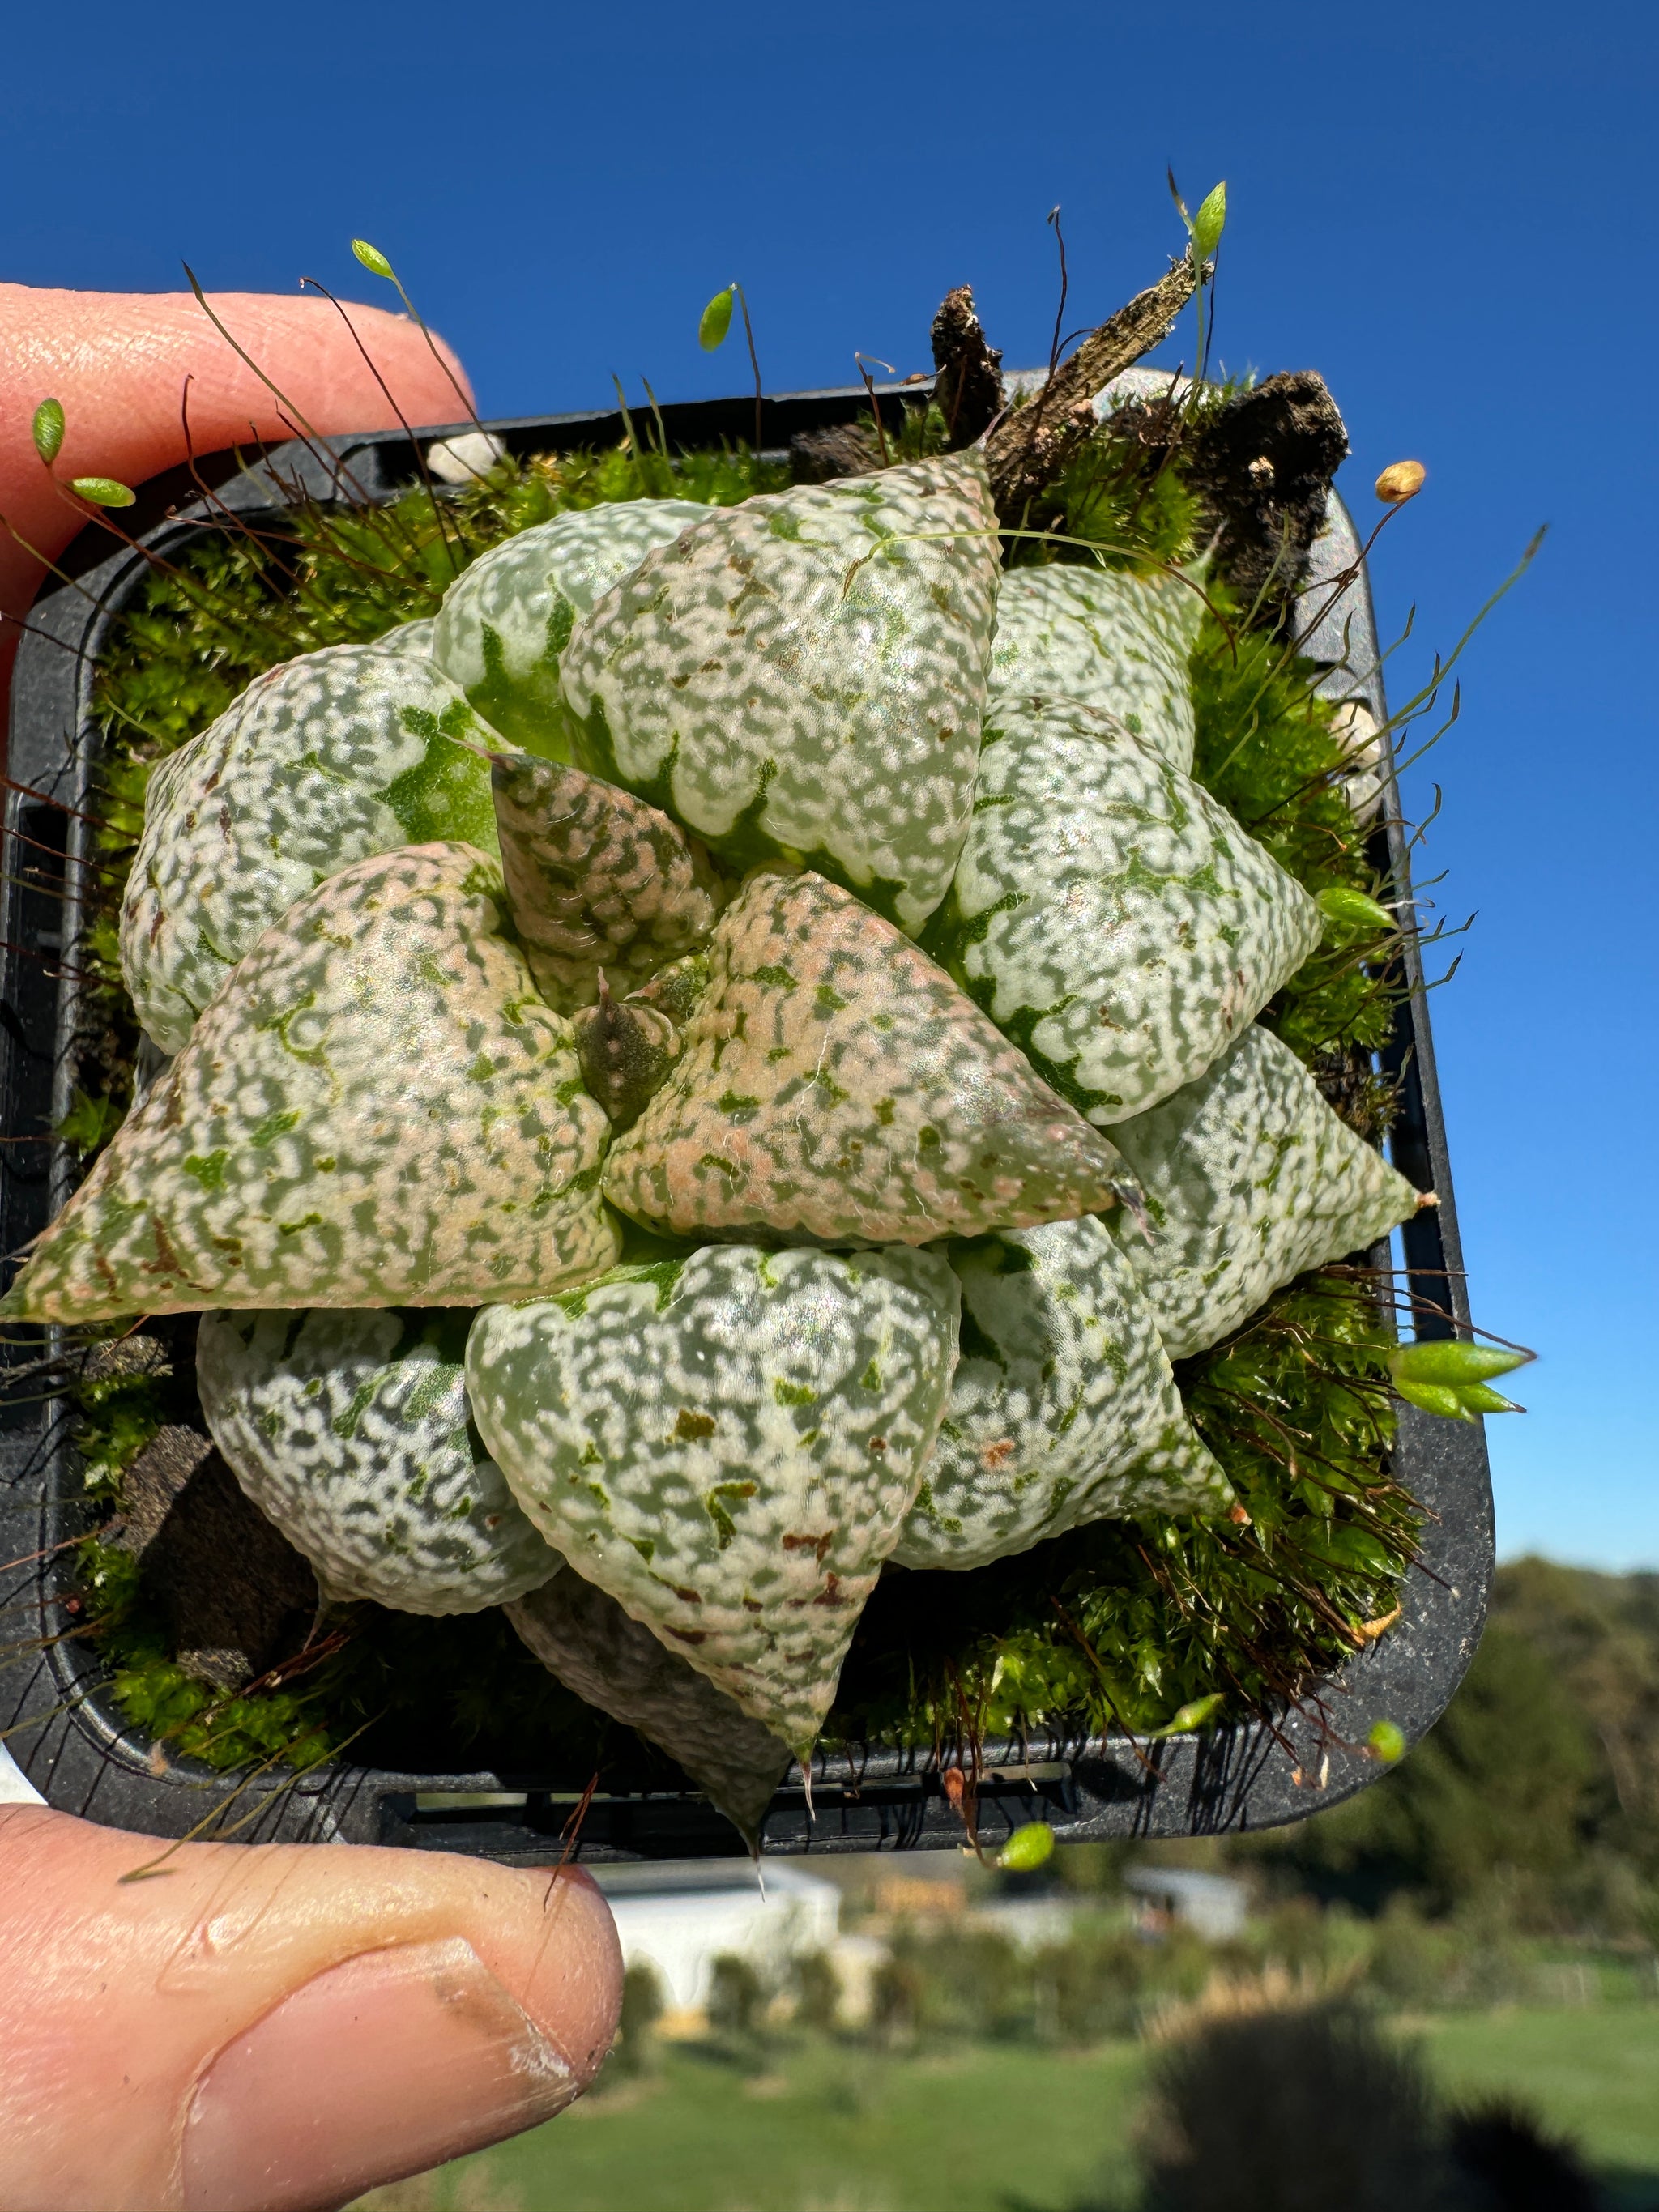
1267,749
1124,1622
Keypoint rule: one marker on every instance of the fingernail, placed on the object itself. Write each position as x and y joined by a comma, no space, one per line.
379,2068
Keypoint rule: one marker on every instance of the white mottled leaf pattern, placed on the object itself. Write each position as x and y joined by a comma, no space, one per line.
729,1445
596,880
1250,1178
377,1110
581,1634
1110,916
320,763
804,676
505,620
1103,638
1063,1409
351,1431
836,1083
413,640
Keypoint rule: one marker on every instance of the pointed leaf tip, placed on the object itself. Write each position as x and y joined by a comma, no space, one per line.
103,491
716,320
373,259
49,429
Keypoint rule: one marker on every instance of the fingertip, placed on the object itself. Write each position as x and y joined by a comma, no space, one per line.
562,1959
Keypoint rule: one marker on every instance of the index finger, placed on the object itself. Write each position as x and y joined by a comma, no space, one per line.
118,362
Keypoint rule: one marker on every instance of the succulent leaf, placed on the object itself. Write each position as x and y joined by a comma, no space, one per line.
351,1431
343,753
505,621
1250,1178
376,1109
728,1444
1110,915
626,1051
836,1085
597,879
413,640
1063,1409
675,991
1105,638
804,676
606,1656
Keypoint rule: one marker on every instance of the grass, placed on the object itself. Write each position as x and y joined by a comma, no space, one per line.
835,2129
1594,2074
991,2128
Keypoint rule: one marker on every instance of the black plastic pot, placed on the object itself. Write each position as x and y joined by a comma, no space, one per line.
63,1727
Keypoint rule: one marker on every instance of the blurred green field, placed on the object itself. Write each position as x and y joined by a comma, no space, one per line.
985,2128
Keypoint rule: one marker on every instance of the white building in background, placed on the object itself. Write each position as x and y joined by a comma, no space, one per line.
1213,1905
681,1914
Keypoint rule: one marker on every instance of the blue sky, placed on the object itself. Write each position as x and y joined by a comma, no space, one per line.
1443,209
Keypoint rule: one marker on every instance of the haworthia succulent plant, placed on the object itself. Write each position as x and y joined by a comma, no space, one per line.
596,880
728,1444
376,1109
609,1659
505,621
1063,1409
836,1083
352,1433
320,763
1103,638
804,675
1250,1178
1110,915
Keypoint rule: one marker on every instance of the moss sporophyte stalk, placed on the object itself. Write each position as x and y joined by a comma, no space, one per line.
762,1076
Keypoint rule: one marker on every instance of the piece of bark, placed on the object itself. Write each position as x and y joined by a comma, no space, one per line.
845,449
1262,465
1028,450
131,1355
234,1595
969,391
604,1655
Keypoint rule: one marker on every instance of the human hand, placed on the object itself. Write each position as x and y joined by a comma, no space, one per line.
278,2027
270,2027
118,361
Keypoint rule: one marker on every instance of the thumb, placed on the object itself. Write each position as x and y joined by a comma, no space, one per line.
118,361
278,2027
